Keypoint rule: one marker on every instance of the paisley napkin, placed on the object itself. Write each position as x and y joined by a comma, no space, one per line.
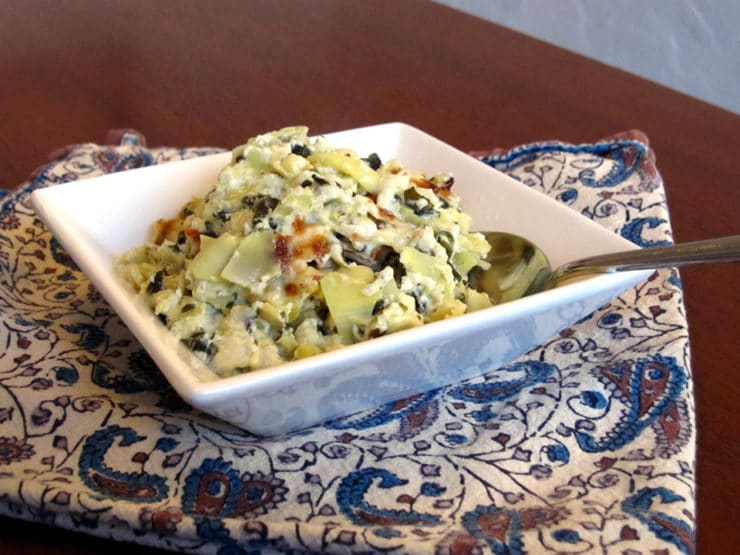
585,444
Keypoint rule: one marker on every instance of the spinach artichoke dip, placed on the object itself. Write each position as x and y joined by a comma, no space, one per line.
301,248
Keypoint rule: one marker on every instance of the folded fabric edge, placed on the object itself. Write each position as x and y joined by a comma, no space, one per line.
633,138
133,137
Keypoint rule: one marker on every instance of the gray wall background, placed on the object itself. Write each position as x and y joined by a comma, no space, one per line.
692,46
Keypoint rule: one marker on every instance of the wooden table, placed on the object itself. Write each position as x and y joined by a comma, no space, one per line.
192,73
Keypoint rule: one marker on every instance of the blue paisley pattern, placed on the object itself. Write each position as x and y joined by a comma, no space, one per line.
351,500
585,444
97,476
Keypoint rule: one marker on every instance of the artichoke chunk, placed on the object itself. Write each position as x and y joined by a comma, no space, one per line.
464,261
475,300
430,269
348,163
213,256
399,314
290,166
253,259
348,298
431,281
472,250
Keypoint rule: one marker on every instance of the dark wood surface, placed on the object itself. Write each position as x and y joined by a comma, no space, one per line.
192,73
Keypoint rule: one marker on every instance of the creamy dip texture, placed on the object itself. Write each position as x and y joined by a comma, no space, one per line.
302,247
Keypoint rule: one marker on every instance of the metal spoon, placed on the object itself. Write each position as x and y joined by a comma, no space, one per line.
519,268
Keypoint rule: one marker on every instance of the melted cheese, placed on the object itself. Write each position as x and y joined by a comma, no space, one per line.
266,267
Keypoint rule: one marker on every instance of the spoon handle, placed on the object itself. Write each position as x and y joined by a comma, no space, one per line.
721,249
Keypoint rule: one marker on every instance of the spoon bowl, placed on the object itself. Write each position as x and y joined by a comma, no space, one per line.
519,268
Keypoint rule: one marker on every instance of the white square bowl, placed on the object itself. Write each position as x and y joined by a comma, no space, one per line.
98,219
